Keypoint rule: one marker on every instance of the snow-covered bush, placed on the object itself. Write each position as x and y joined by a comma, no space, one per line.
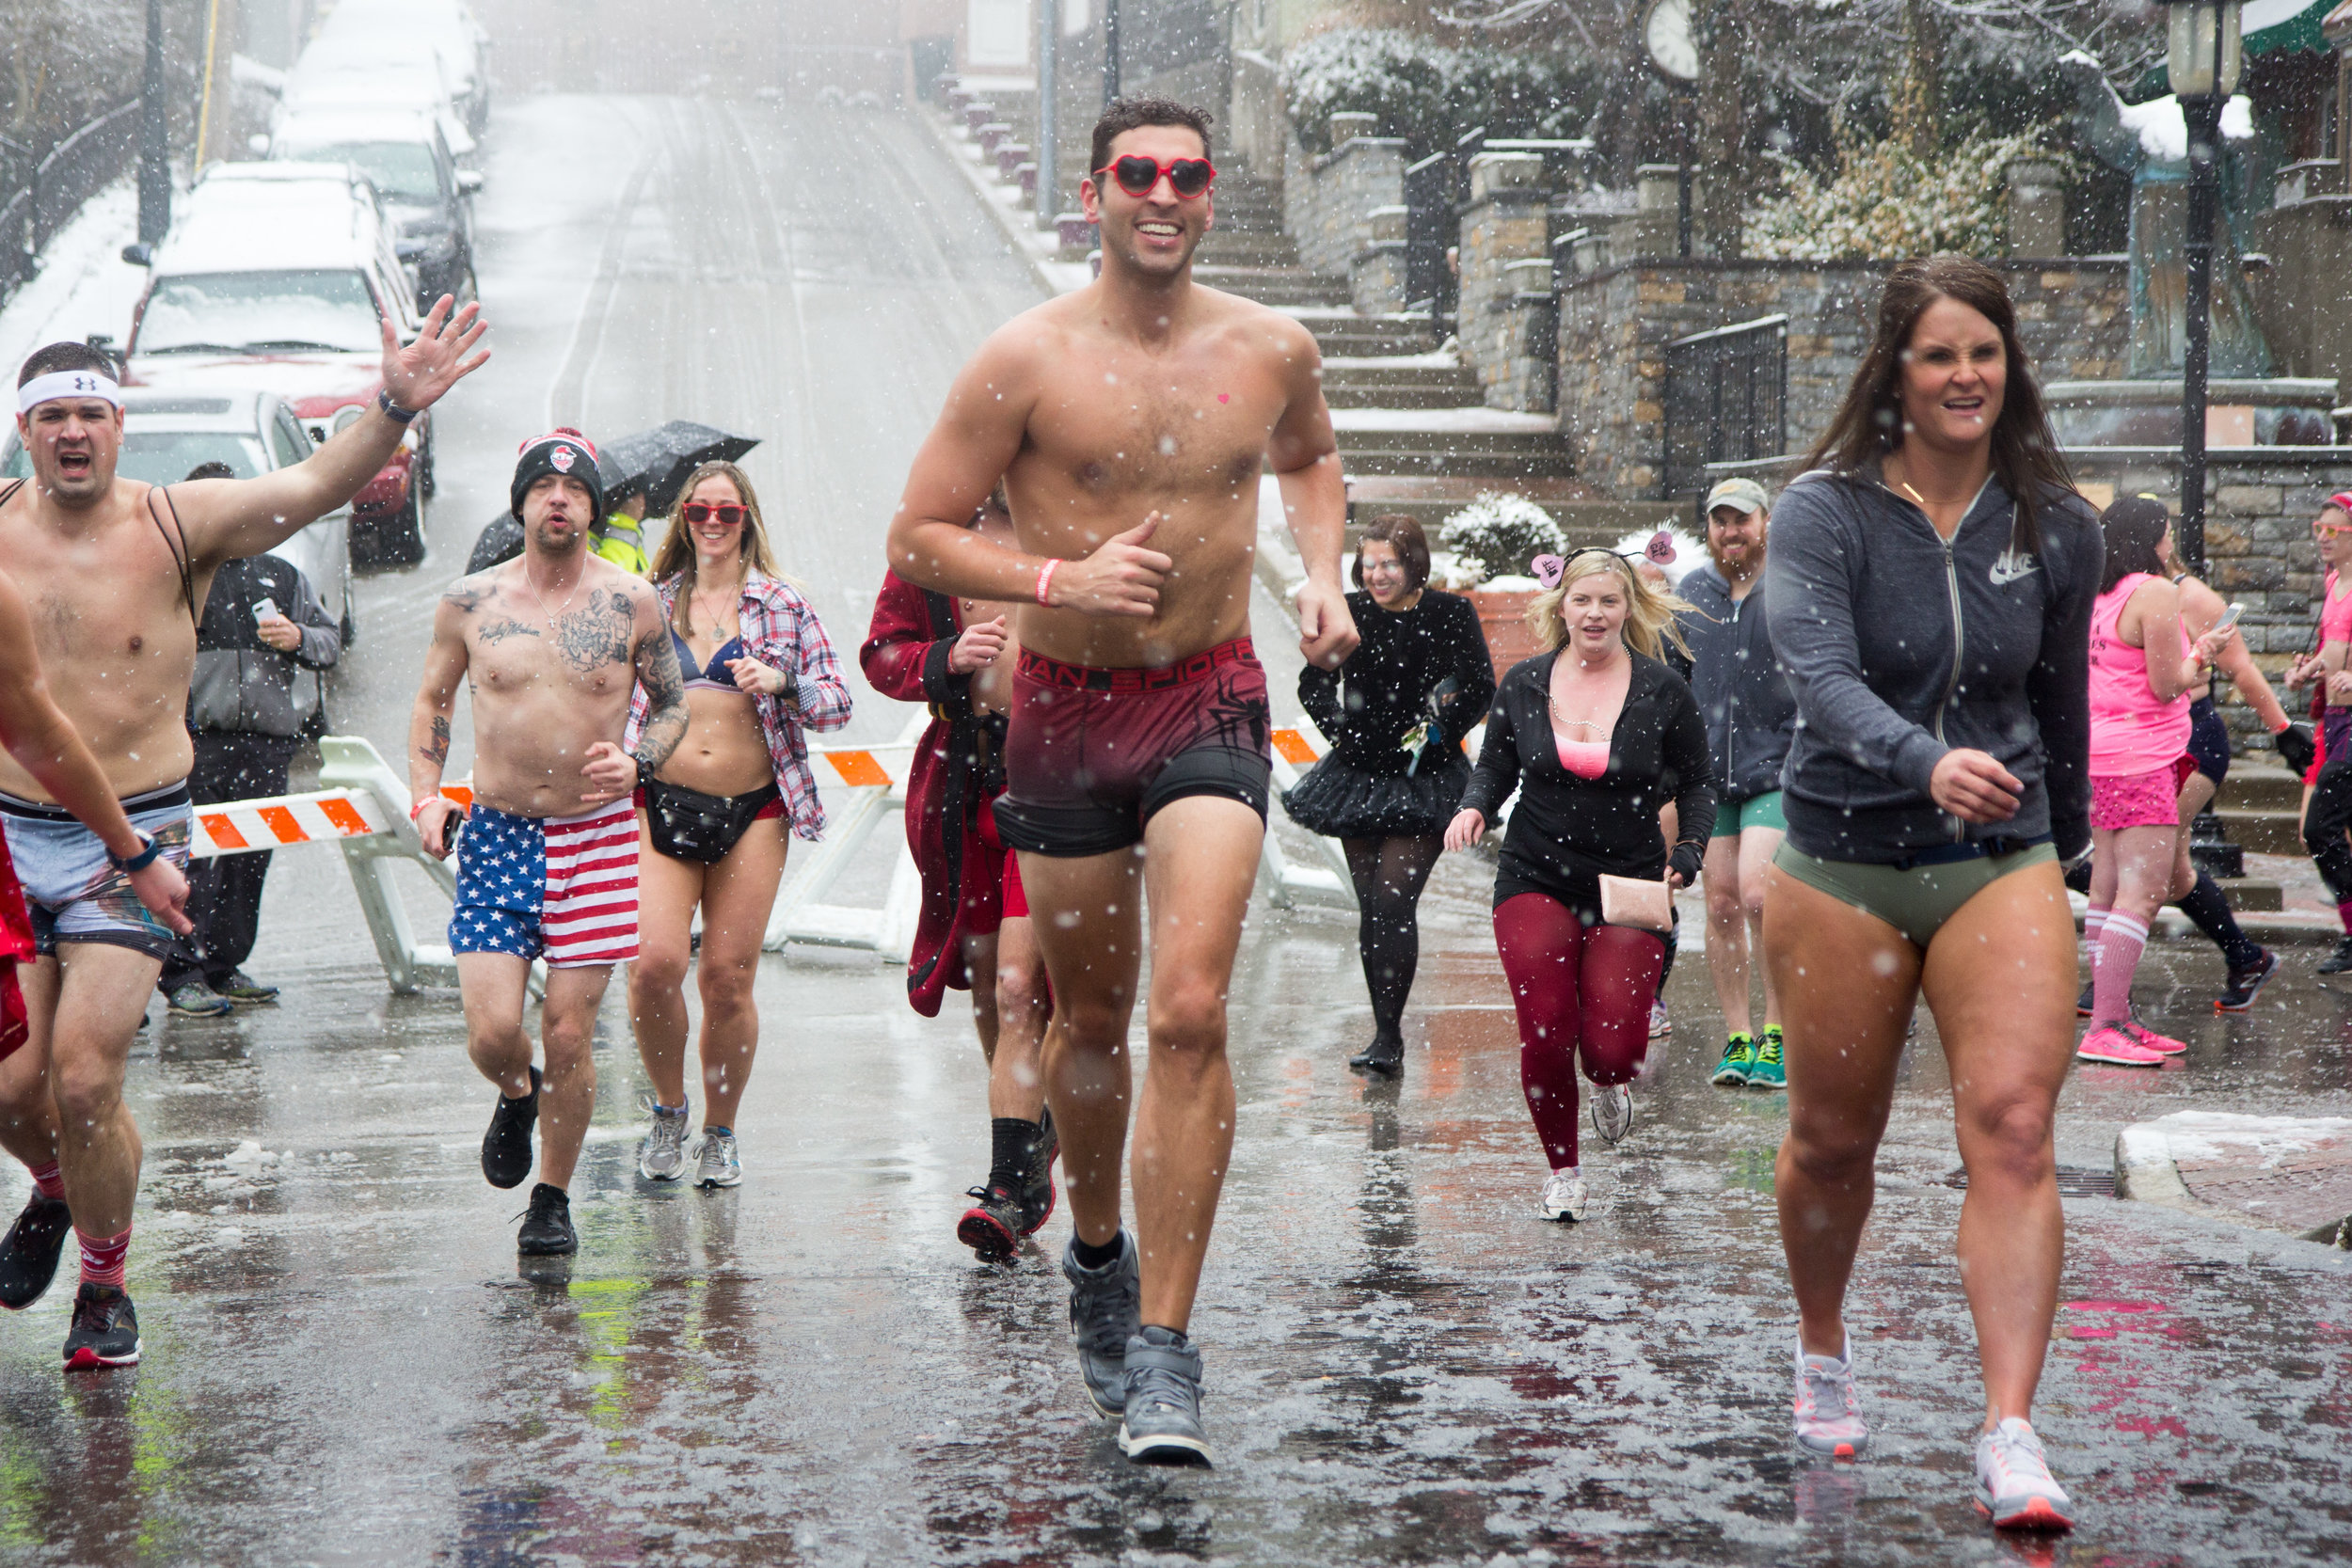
1497,534
1428,92
1886,203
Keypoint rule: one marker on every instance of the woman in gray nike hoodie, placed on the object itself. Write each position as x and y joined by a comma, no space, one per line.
1929,591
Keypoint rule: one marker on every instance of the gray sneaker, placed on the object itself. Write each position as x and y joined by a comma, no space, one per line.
1163,1416
661,1152
719,1166
1105,1311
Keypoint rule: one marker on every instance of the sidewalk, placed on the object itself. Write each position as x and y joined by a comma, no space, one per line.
1037,246
84,285
2280,1173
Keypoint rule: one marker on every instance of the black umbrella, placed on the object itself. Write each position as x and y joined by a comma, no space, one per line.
660,459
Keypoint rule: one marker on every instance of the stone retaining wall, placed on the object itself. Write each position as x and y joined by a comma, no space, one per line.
1615,325
1346,212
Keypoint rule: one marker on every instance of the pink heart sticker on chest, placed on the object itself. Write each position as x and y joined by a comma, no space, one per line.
1225,397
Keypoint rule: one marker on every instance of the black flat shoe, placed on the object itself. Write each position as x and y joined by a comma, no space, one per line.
1385,1056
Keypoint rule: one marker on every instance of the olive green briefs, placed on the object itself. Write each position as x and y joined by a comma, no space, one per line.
1917,900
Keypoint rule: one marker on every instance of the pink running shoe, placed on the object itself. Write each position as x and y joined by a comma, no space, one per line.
2163,1045
1829,1413
2111,1042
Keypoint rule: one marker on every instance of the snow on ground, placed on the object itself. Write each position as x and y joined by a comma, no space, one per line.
84,285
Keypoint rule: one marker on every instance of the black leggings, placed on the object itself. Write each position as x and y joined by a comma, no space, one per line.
1388,874
2324,823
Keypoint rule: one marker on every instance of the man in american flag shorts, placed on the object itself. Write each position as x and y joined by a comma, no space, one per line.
552,645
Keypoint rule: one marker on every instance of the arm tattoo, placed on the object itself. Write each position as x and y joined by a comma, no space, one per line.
436,751
665,692
504,627
597,634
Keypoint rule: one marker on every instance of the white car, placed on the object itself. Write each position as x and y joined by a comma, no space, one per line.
287,285
449,26
427,201
362,75
167,435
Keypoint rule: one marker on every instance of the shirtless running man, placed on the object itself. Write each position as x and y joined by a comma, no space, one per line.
1130,421
551,644
116,572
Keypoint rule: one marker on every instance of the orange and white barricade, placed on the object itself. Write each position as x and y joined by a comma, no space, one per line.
864,787
1297,747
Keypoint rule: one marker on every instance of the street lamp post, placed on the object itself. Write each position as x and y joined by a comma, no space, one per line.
1110,52
2201,63
1048,110
154,146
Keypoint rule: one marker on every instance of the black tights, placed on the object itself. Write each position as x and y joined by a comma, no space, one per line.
2324,823
1388,874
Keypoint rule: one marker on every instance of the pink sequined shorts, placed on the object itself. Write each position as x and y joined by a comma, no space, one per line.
2151,799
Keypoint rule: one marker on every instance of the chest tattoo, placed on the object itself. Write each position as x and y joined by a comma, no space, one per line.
597,634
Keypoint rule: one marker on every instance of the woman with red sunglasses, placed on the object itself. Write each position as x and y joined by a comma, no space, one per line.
760,671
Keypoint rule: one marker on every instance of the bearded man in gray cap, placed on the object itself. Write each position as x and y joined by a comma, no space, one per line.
1750,717
551,644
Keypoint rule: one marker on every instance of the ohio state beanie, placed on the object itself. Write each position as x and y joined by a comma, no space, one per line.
561,450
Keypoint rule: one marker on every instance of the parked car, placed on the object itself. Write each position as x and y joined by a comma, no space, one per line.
286,284
399,76
165,434
449,26
427,200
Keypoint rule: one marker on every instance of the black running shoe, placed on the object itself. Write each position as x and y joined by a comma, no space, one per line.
2082,1002
1383,1055
105,1331
2244,984
1037,1188
506,1147
991,1227
29,1252
547,1230
2339,961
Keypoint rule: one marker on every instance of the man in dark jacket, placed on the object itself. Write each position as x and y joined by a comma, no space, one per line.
1751,717
264,632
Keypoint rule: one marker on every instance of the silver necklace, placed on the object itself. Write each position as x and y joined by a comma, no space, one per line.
1558,717
543,603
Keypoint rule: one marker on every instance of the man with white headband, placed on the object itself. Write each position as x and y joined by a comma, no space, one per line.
116,572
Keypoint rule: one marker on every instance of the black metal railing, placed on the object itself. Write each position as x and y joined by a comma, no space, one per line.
1432,226
42,195
1726,401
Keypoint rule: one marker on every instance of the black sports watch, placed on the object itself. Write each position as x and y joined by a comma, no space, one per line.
392,410
149,849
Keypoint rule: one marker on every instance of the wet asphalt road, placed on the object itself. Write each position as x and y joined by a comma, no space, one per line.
343,1363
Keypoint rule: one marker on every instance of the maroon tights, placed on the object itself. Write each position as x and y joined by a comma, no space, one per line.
1580,990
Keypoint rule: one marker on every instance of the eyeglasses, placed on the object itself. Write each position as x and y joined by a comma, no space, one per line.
1138,175
2321,531
728,514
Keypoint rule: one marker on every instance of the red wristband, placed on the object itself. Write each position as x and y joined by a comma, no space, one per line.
1046,579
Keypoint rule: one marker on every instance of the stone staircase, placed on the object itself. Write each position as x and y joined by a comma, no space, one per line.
2261,807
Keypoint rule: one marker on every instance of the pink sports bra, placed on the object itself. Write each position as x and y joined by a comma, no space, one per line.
1586,760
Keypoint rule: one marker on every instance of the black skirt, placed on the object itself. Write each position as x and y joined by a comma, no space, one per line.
1341,801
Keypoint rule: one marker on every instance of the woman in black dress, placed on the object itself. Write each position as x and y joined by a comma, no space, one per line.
1396,714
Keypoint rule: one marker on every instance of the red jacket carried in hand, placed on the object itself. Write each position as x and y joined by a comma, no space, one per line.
958,771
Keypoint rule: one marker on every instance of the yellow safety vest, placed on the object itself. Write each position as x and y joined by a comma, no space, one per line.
620,540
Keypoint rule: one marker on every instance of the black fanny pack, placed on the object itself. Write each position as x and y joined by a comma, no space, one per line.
688,825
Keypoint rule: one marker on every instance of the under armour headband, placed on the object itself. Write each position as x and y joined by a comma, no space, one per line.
67,384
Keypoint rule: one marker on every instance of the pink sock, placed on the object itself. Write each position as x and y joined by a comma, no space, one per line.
2119,944
101,1260
2094,918
46,1181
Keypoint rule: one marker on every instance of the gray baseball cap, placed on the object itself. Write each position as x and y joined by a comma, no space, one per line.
1740,494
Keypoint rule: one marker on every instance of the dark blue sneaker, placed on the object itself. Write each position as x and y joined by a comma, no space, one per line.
105,1331
28,1254
1162,1424
2244,984
1106,1312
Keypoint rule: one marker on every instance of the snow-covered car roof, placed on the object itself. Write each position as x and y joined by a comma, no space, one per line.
226,408
321,125
249,226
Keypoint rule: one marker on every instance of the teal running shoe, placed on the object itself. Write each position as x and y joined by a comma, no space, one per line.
1738,1063
1767,1071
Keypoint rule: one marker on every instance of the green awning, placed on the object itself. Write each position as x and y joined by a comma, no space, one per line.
2268,26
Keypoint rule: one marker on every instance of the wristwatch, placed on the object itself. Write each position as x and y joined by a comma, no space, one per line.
149,849
392,410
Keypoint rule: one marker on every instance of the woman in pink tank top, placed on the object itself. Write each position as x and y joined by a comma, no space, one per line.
2142,665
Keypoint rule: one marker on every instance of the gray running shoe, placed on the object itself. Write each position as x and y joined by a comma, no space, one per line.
661,1152
1613,1111
1105,1311
719,1166
1162,1424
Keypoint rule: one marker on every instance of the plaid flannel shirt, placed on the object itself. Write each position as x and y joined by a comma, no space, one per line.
781,631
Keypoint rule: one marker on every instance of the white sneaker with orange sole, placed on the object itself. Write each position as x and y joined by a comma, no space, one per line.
2014,1487
1829,1411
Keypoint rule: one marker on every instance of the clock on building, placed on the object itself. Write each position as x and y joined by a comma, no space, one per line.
1666,32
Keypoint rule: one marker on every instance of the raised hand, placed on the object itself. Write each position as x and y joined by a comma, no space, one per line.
418,373
1119,578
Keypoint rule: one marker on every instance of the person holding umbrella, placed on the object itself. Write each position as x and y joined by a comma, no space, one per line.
760,671
619,535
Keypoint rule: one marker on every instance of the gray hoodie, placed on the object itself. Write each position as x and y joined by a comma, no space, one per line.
1902,647
1743,693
